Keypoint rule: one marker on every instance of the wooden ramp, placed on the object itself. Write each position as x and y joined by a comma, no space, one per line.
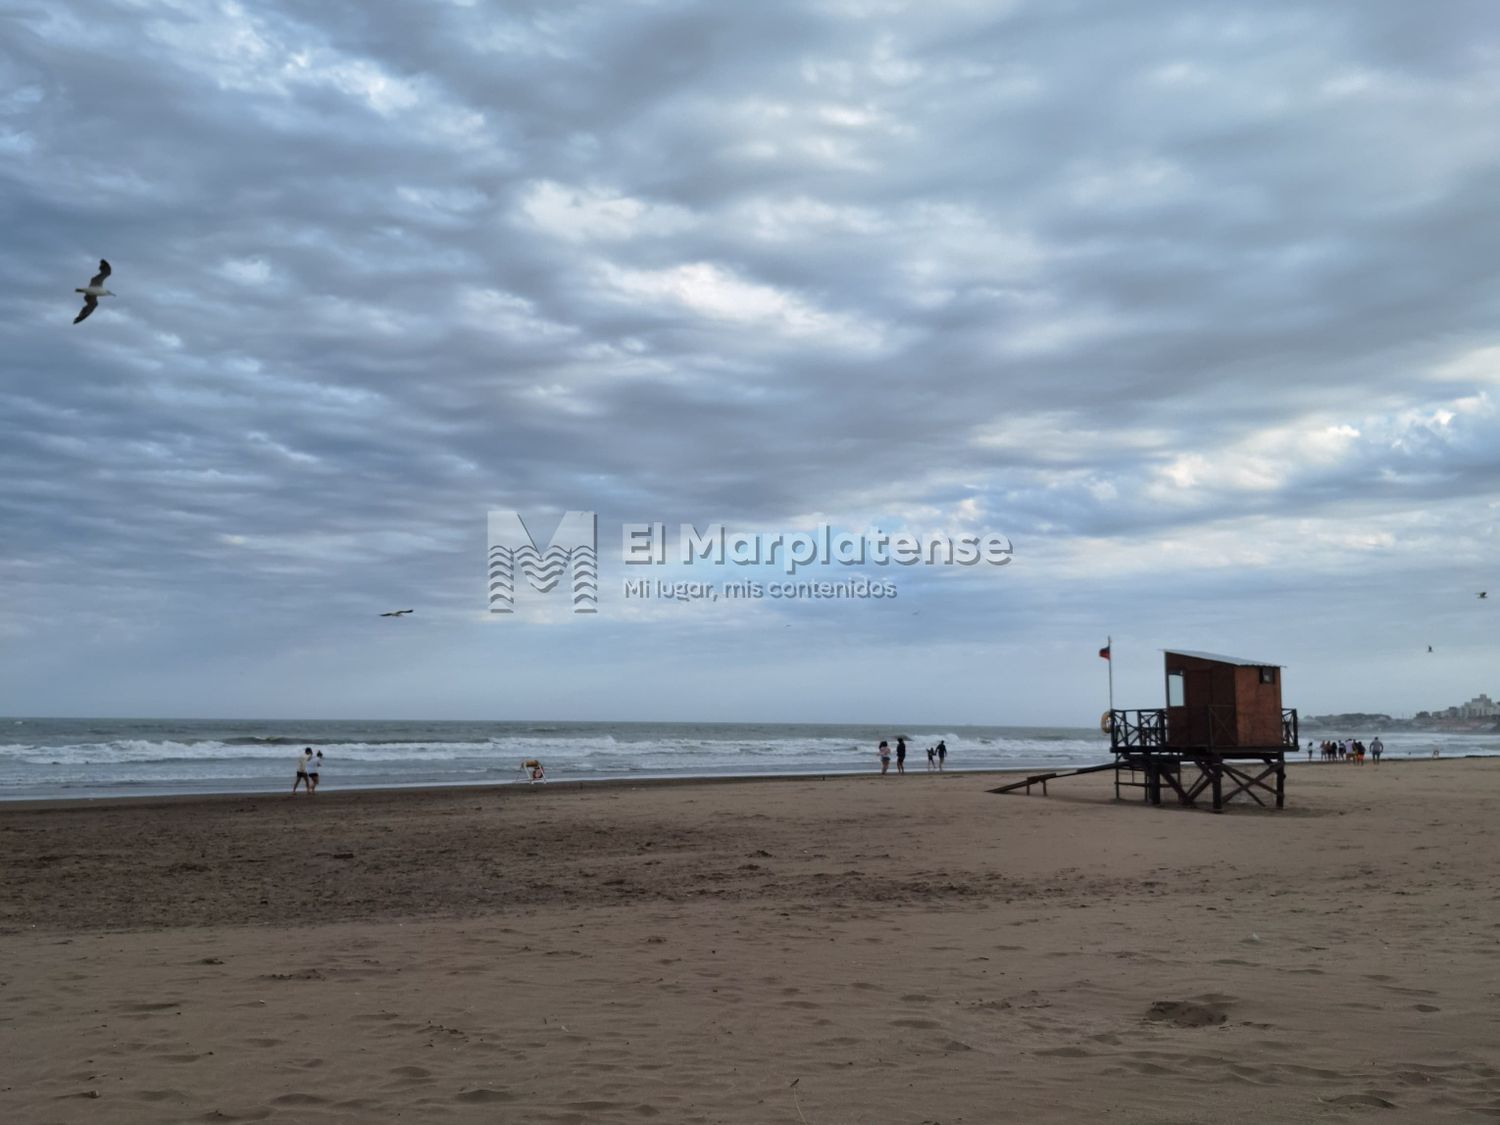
1190,774
1042,778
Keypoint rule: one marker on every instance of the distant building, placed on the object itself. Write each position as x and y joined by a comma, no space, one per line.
1480,707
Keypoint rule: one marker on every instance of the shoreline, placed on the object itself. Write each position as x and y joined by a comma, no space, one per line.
7,802
126,800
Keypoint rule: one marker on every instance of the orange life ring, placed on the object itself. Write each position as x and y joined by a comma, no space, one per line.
1107,723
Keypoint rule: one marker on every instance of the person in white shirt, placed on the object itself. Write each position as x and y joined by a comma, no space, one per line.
313,769
302,775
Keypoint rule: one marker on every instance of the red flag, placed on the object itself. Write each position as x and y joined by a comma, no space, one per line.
1104,652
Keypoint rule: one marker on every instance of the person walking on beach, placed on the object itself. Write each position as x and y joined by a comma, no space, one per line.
942,752
302,778
313,769
901,754
1377,748
885,757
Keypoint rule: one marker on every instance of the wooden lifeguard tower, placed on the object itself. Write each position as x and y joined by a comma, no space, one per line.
1223,733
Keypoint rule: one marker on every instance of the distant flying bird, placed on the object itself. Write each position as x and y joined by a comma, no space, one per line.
396,613
1429,648
1484,593
93,292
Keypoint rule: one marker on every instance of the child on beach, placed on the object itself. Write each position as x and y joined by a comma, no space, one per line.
931,758
885,756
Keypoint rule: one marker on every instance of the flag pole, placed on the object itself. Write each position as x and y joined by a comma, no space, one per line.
1109,644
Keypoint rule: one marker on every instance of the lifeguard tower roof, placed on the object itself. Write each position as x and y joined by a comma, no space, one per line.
1240,660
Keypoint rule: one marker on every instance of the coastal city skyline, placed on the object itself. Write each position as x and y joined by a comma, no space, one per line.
1197,314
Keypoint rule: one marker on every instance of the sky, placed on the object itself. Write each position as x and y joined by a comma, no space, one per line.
1196,305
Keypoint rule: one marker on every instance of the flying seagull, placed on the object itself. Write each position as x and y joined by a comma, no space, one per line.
93,292
1484,593
1429,648
396,613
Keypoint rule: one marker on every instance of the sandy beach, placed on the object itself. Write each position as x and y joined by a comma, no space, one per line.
865,950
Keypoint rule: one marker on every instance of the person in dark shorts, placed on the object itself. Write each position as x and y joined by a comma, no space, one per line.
313,769
931,758
885,757
302,778
942,752
901,754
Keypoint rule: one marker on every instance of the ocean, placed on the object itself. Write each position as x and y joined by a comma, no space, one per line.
50,758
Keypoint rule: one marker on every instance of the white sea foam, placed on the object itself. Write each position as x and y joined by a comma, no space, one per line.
106,756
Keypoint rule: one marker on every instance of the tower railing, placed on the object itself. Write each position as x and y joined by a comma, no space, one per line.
1213,727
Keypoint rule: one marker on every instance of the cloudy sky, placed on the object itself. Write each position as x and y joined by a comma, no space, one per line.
1196,303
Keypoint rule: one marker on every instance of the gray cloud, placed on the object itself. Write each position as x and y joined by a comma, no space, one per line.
1200,311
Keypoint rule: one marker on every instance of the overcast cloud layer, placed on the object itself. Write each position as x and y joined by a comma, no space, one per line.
1197,303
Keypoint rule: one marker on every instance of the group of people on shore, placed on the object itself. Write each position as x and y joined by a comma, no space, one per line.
309,768
936,756
1348,750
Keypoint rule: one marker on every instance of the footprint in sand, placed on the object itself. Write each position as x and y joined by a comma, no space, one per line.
258,1114
1140,1066
412,1073
1185,1013
1372,1100
1400,991
990,1005
484,1095
924,1025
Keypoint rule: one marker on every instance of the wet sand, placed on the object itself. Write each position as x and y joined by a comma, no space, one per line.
844,951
